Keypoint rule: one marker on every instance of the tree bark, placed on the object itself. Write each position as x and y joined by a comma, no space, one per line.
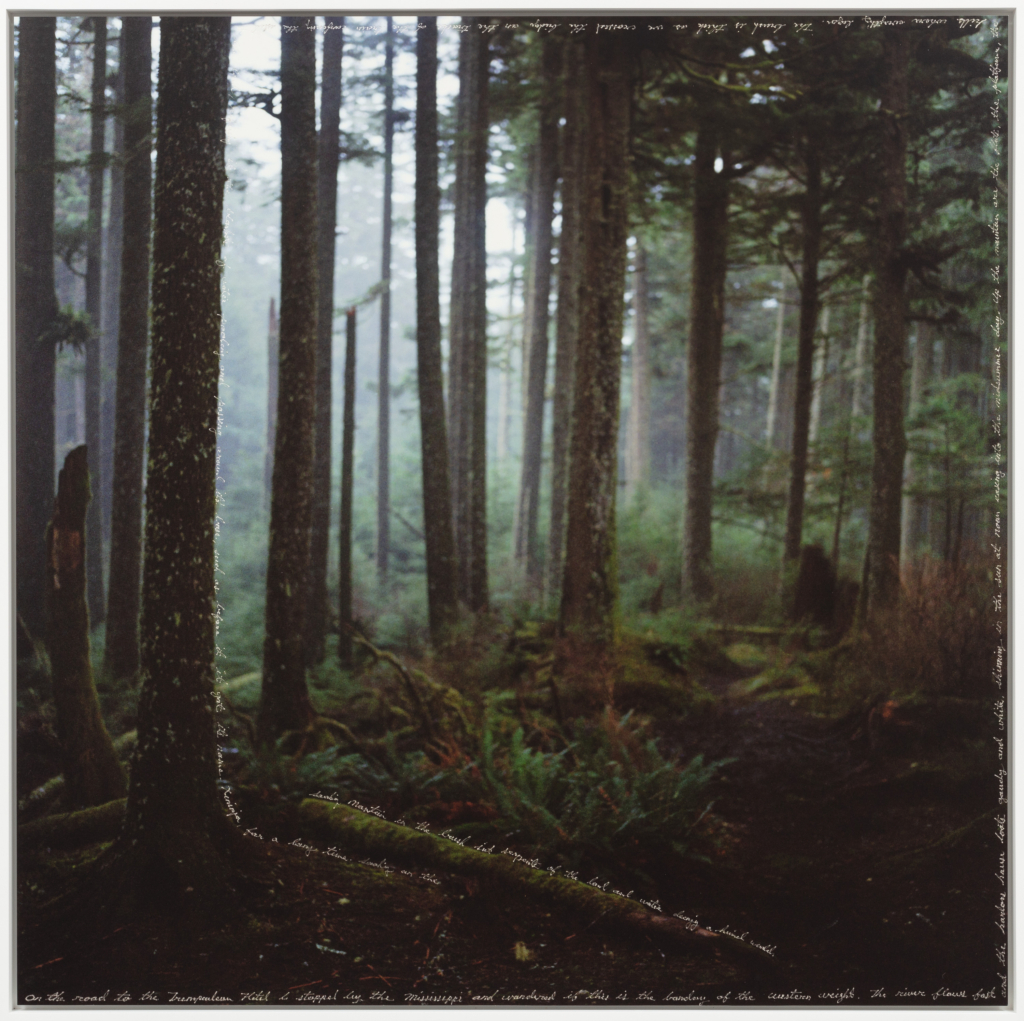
704,358
570,249
284,701
773,387
888,437
442,567
384,373
91,768
543,202
590,584
860,354
35,311
273,357
468,320
94,309
172,851
638,445
327,216
348,433
810,217
820,377
914,505
121,652
112,301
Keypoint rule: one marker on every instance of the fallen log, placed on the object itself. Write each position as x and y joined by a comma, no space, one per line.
74,829
347,829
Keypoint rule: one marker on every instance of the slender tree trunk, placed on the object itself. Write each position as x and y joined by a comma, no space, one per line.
914,505
505,386
888,438
35,311
442,568
468,328
171,852
860,357
384,375
638,445
773,387
284,702
94,309
590,585
811,227
273,357
92,772
567,320
704,358
121,652
820,377
327,215
527,546
112,300
348,434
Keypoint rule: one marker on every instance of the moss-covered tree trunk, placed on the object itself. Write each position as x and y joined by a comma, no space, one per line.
173,852
810,222
543,201
468,320
442,580
913,503
638,440
567,317
273,355
327,216
92,772
348,434
704,357
888,437
94,309
121,651
590,585
35,311
112,299
284,702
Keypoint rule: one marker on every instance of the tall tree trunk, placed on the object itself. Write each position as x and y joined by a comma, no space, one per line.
92,772
773,387
704,358
121,652
35,310
468,320
810,217
820,377
348,434
284,701
543,202
638,444
505,384
384,374
914,505
570,253
327,216
590,584
94,309
273,357
112,300
860,357
888,438
171,850
442,568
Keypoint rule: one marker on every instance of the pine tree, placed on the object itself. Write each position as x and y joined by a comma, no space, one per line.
284,702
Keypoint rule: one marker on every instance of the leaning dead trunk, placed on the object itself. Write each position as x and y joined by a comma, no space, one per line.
590,585
284,700
91,769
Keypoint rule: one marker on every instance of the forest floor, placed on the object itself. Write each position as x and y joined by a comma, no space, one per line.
854,850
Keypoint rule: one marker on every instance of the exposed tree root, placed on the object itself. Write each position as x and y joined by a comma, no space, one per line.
363,834
74,829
